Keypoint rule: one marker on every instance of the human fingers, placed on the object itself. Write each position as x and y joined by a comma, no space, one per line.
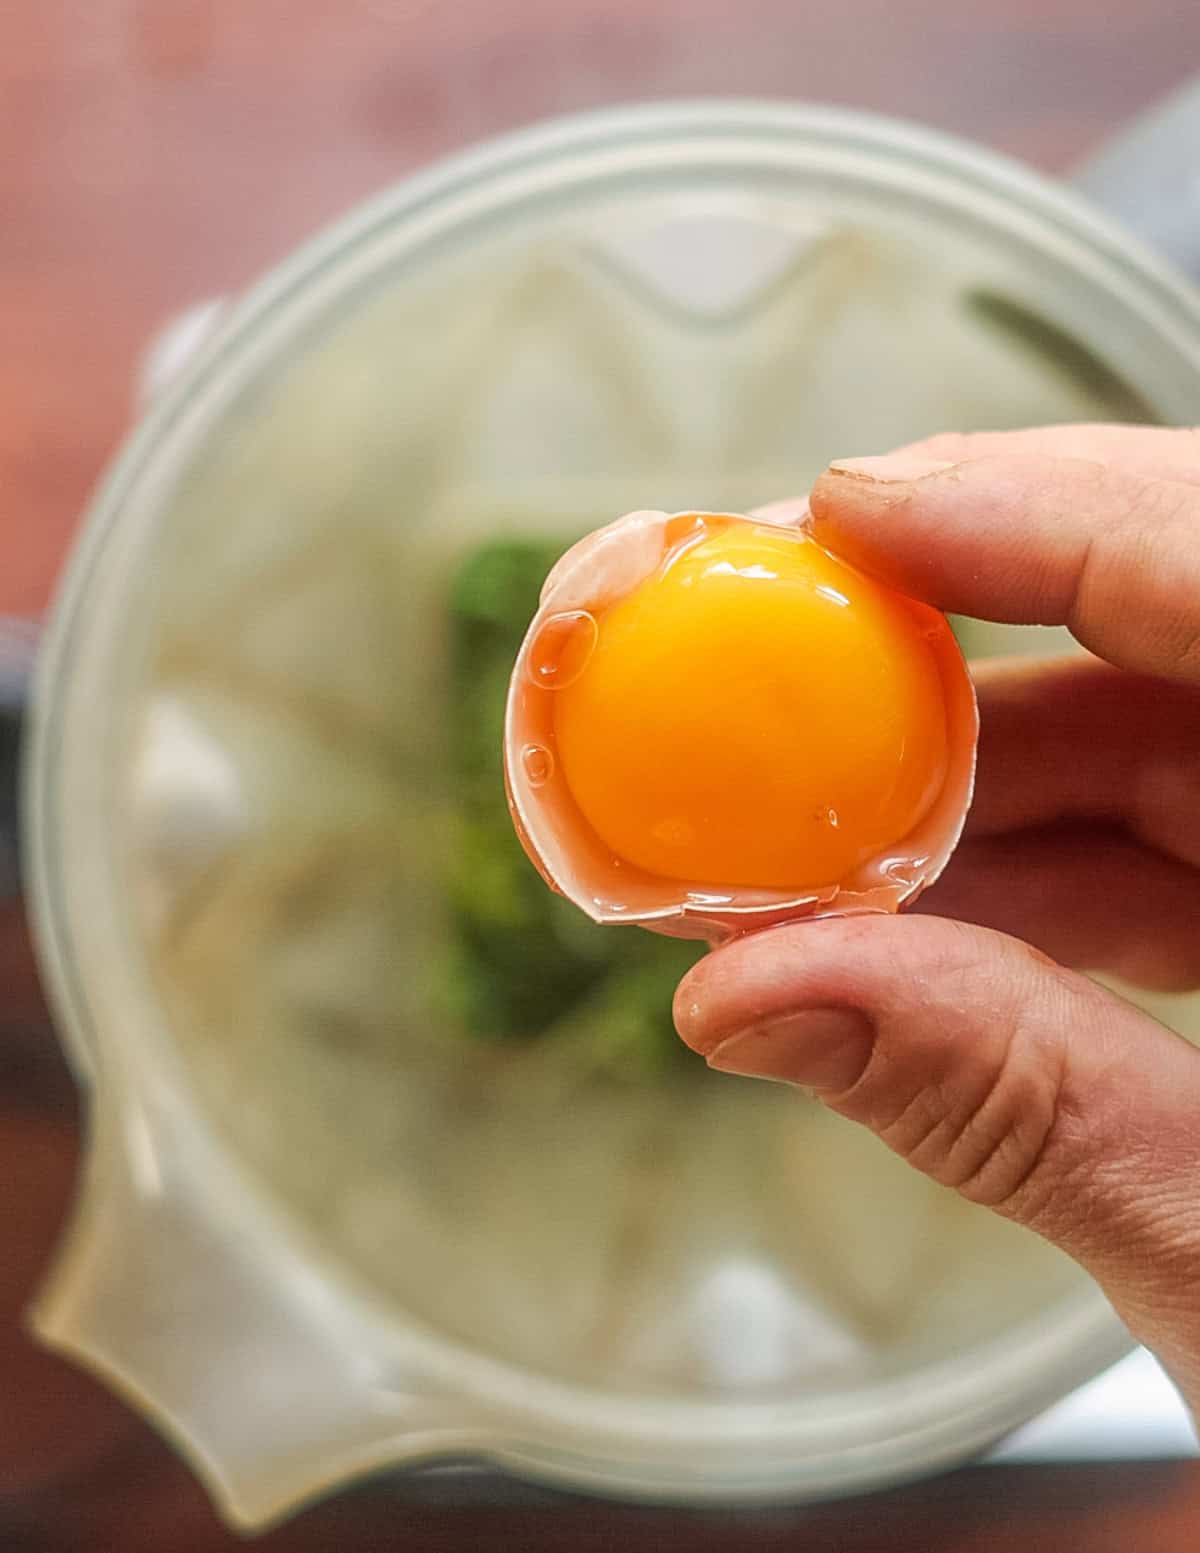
1031,538
1158,452
1074,738
1086,893
1021,1085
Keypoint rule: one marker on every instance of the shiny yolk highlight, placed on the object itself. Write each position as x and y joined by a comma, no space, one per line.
755,713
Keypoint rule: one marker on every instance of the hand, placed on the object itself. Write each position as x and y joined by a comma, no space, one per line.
979,1058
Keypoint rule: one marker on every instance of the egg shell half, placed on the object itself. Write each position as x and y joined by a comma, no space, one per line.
595,573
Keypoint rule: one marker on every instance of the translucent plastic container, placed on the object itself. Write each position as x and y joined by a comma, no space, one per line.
322,1228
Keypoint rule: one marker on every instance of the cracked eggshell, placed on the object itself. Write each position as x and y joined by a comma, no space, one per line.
595,573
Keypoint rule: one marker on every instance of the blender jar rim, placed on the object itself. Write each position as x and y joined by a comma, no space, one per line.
614,145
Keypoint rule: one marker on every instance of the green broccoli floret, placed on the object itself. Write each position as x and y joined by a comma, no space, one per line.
523,963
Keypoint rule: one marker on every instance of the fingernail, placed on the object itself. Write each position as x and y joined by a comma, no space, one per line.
890,468
821,1048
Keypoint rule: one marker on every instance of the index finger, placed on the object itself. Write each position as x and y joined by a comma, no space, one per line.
1031,538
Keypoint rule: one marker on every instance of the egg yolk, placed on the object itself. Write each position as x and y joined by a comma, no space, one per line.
755,713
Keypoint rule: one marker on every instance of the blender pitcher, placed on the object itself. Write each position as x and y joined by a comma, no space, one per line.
325,1224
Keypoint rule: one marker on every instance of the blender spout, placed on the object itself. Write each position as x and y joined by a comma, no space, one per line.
258,1377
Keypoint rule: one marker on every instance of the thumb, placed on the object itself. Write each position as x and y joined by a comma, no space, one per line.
995,1071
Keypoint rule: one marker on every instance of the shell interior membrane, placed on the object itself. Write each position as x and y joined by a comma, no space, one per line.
689,752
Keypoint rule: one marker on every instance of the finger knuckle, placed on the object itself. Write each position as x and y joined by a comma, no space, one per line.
1160,507
1148,552
979,1116
1001,1125
1169,557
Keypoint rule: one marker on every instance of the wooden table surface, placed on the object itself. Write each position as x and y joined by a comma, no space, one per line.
155,151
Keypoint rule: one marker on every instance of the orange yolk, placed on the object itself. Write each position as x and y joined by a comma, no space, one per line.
755,713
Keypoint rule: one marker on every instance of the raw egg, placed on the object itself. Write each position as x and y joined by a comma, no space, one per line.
715,723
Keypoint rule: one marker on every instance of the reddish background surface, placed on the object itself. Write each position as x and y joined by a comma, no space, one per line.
155,151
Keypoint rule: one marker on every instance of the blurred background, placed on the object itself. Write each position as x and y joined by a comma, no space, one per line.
153,152
156,151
